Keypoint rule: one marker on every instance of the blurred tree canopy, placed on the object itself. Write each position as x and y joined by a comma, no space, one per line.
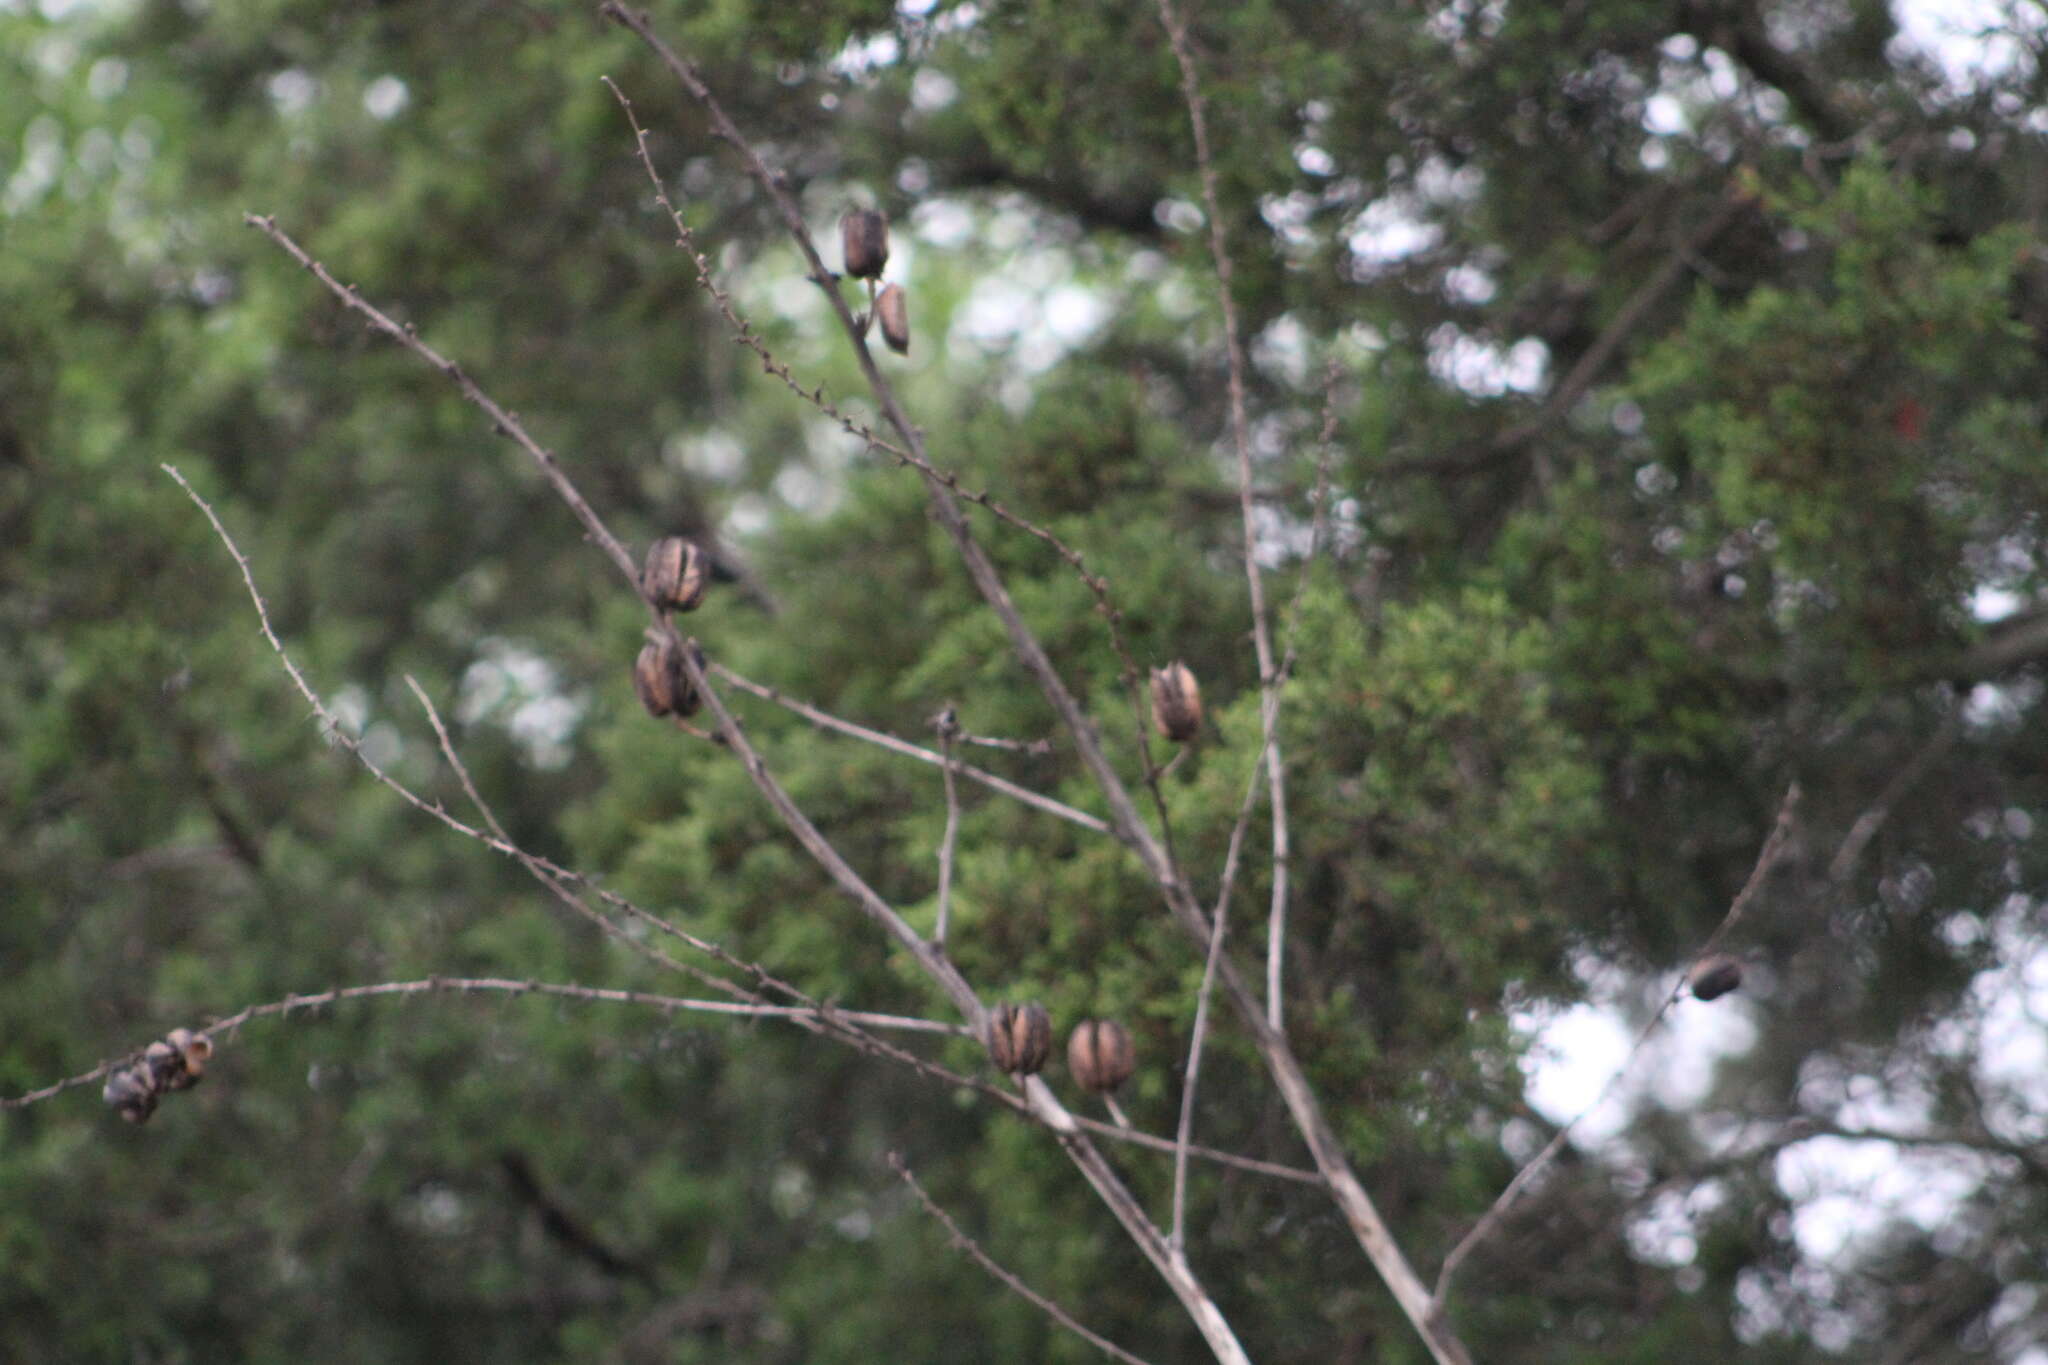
1688,363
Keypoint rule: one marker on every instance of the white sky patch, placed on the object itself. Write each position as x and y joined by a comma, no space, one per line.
1847,1190
1314,160
1468,284
932,90
716,455
864,55
1665,116
1073,313
1388,232
1483,368
1994,604
803,488
1572,1059
1974,42
945,223
522,691
108,78
2012,1001
292,91
385,97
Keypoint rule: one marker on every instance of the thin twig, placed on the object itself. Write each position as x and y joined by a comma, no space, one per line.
821,1018
743,334
948,726
1767,858
1241,440
1208,1318
1361,1215
1872,820
292,1004
504,423
1217,919
334,729
827,721
1016,1286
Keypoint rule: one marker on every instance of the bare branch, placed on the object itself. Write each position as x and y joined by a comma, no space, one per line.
827,721
1241,440
1016,1286
495,839
1217,919
1872,820
948,726
458,985
1767,858
504,423
1174,1270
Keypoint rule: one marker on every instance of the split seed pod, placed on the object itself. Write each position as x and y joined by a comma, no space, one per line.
131,1092
1019,1038
675,575
193,1049
864,241
165,1065
1713,977
892,310
663,684
1176,702
1099,1055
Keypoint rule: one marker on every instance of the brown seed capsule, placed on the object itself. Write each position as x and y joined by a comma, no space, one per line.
1176,702
864,241
1099,1055
193,1050
663,685
132,1093
892,310
1713,977
1019,1038
165,1065
675,575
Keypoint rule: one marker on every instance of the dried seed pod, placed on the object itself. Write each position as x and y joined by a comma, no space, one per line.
132,1092
165,1065
1176,702
892,310
864,241
193,1049
663,685
1020,1038
1099,1055
676,574
1713,977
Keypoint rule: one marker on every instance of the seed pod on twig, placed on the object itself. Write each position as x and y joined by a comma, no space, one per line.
1176,702
892,310
1099,1055
1019,1038
1713,977
193,1049
132,1092
675,575
166,1066
864,241
663,685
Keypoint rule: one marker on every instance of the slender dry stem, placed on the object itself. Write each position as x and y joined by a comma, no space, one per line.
948,726
1304,1106
1217,919
1016,1286
1767,858
1241,441
825,720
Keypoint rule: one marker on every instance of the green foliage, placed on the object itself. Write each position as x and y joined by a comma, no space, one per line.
1553,667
